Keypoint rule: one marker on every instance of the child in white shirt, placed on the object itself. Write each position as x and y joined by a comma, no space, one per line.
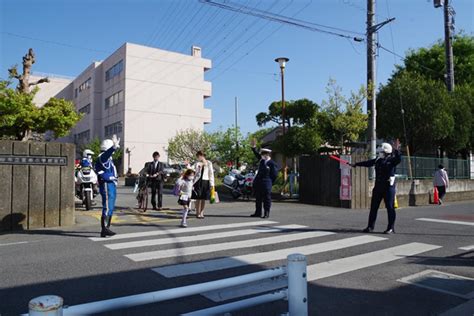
185,185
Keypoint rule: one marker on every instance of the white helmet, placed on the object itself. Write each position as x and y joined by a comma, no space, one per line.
87,152
106,144
385,148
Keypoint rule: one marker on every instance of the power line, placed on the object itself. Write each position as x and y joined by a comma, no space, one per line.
159,29
280,19
260,43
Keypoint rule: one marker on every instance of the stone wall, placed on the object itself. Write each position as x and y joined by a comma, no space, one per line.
37,185
420,192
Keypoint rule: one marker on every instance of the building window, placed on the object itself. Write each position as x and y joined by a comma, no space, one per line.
114,128
82,137
114,99
75,93
85,85
85,109
114,71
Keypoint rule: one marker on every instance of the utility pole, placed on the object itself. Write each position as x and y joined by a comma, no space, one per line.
448,43
236,133
371,80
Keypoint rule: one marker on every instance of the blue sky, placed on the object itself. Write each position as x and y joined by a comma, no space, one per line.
242,48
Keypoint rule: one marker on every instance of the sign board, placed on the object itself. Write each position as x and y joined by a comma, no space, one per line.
345,191
33,160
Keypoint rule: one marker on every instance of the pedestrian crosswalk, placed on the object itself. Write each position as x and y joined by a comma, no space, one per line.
254,239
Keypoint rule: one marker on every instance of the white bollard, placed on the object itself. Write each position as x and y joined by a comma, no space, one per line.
48,305
297,285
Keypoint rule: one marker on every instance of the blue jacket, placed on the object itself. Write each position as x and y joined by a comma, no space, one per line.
384,167
267,170
105,167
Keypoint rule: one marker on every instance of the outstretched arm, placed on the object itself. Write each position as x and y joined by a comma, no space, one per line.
253,143
106,155
367,163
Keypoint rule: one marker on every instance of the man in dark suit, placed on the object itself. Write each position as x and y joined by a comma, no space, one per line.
155,176
263,182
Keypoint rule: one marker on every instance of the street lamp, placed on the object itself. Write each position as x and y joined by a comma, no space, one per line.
282,62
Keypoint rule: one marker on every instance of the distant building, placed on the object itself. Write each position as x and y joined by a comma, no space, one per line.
144,95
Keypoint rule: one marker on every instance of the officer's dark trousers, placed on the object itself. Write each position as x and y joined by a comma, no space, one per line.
263,195
156,189
383,191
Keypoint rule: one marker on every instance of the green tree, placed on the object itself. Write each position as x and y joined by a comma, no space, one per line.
303,134
225,146
297,112
430,62
341,119
433,117
20,116
186,143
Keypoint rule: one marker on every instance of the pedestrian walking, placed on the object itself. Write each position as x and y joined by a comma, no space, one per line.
107,173
203,183
441,182
264,180
185,187
384,189
155,175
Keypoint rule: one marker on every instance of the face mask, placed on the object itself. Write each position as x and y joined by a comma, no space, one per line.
265,157
381,154
191,178
89,157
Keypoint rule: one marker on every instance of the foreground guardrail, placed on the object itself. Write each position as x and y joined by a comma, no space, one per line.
296,294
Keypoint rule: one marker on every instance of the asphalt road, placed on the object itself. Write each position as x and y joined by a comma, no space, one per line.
350,273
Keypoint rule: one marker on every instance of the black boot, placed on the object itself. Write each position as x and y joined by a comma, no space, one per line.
109,232
255,215
267,214
103,232
368,229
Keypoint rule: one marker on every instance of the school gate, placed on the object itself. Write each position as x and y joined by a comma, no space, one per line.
37,185
325,181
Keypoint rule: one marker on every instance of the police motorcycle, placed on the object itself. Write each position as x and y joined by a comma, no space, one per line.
240,185
86,180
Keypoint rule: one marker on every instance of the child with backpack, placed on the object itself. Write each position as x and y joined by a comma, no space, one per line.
184,189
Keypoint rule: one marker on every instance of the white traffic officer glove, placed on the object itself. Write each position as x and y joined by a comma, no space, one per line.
116,141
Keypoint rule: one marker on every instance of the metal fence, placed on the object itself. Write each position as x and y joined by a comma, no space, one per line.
295,292
425,167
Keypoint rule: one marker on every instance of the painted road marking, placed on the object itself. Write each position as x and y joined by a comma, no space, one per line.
180,252
14,243
257,258
467,248
323,270
233,233
181,230
339,266
445,221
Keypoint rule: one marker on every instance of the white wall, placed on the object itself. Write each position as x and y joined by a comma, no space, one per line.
165,93
48,90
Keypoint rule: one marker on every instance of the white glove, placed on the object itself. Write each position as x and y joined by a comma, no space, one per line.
116,141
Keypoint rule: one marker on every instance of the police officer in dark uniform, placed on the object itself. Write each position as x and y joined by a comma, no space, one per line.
384,188
262,184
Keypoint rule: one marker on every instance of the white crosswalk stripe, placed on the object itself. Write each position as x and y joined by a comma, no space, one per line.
181,231
179,252
256,258
233,233
434,220
251,235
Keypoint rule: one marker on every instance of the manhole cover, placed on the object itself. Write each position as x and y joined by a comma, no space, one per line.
442,282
